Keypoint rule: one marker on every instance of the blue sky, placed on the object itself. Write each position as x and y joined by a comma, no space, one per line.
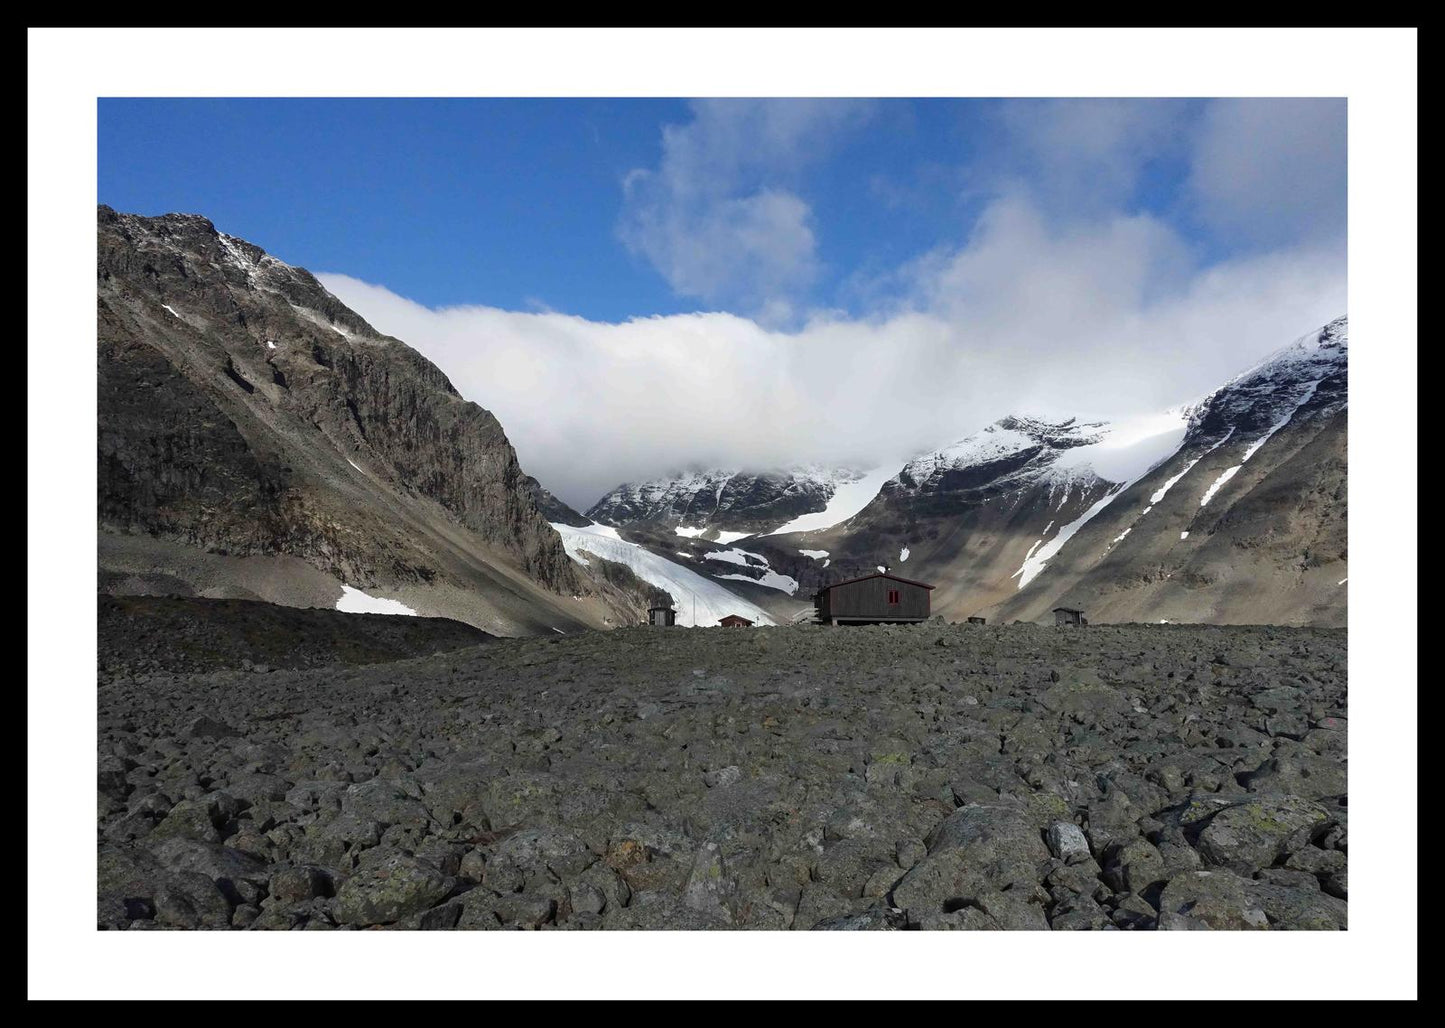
522,204
448,201
592,270
514,203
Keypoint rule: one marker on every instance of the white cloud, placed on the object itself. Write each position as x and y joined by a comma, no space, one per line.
1064,297
1100,318
720,217
757,249
1272,170
1082,155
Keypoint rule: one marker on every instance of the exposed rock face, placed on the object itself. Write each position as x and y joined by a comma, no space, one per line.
952,777
244,412
553,509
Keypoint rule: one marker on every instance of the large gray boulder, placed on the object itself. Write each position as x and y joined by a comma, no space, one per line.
1221,901
1254,834
389,891
979,848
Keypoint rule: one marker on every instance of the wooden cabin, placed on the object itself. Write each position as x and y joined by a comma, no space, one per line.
1069,616
735,621
877,598
976,621
661,616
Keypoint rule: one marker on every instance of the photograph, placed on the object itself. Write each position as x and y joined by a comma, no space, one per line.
710,511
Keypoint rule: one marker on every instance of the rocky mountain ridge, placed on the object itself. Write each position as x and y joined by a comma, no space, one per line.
258,439
726,501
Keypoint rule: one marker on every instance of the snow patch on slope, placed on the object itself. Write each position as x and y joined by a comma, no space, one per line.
1218,483
771,579
722,537
1034,563
736,556
354,601
1229,473
848,499
756,562
1127,452
713,601
1163,490
1128,449
1309,394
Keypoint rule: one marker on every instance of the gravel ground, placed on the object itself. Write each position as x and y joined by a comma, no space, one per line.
934,776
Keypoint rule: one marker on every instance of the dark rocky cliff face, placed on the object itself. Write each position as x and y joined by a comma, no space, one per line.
553,509
245,410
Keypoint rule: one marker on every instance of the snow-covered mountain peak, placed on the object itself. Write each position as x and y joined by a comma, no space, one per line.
1018,451
1333,338
1009,440
1060,435
726,499
1325,349
1310,372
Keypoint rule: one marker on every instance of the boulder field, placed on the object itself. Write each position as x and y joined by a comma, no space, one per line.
935,776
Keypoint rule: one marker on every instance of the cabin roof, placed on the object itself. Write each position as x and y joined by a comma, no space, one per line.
735,617
659,606
876,574
1066,610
